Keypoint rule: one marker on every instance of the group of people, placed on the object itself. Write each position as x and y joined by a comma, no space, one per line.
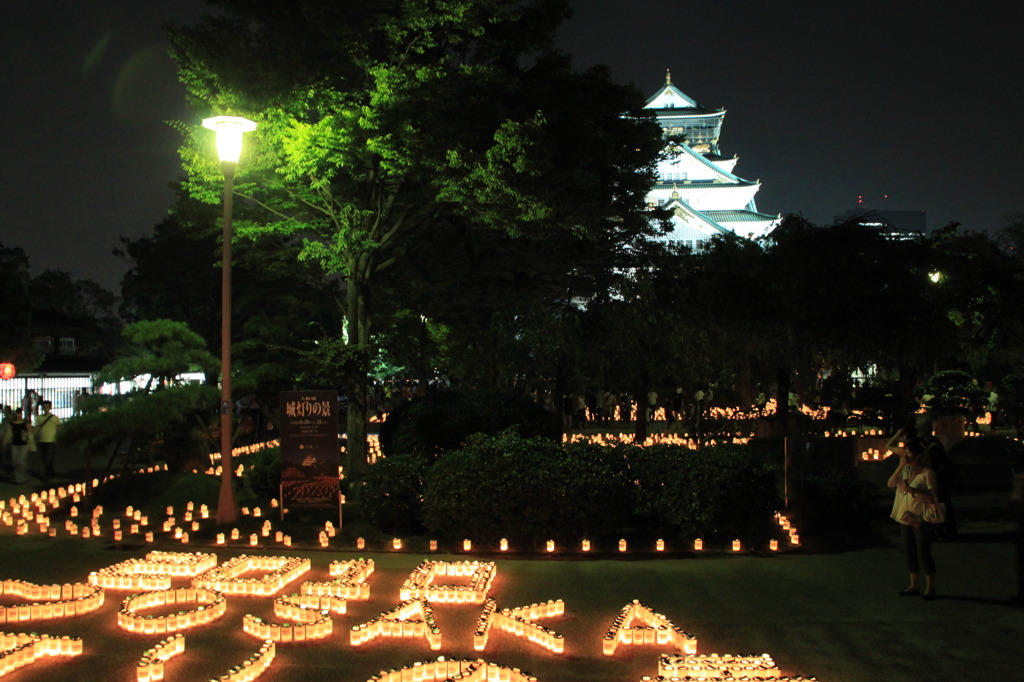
919,507
23,433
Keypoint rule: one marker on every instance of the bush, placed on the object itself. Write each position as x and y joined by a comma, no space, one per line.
264,476
530,490
953,391
392,495
438,423
717,493
496,487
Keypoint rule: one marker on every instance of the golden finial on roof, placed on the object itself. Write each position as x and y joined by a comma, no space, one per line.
668,76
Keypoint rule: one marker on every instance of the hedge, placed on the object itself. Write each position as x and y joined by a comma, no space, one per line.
531,489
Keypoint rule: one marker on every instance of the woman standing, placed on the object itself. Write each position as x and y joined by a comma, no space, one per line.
18,434
916,488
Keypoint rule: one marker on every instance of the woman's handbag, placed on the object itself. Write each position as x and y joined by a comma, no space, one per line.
934,512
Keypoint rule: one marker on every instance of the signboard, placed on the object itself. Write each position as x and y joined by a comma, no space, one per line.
309,449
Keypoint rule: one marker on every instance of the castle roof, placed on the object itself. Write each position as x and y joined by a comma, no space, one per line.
671,101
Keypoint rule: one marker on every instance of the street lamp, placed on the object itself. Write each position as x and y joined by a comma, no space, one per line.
229,130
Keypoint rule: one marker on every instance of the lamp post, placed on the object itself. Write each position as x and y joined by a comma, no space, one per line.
229,130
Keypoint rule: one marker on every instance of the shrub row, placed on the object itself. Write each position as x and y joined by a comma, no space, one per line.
532,489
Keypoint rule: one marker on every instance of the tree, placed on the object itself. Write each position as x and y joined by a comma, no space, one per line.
83,300
16,344
164,407
382,120
172,273
980,283
281,306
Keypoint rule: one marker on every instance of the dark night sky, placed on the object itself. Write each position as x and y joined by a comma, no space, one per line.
826,100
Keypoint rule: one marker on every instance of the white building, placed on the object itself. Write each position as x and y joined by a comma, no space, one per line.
695,181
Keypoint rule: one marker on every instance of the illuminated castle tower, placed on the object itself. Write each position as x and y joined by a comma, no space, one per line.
696,182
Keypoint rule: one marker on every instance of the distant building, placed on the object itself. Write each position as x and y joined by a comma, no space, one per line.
696,182
892,223
65,369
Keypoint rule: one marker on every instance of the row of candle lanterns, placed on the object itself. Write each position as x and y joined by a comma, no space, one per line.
228,576
211,605
655,629
94,528
169,526
622,546
21,649
243,450
154,571
454,669
413,618
151,666
310,613
48,601
350,580
519,622
421,583
684,440
718,667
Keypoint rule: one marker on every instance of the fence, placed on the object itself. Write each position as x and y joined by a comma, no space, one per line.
60,390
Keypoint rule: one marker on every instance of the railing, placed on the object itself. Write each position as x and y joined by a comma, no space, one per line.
60,390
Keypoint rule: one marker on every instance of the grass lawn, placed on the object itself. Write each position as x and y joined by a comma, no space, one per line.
833,616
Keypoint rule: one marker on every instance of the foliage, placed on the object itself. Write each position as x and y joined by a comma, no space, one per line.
16,343
382,121
953,392
280,306
153,493
85,301
437,423
503,486
392,496
264,473
172,273
161,351
1011,401
165,412
651,330
528,490
716,493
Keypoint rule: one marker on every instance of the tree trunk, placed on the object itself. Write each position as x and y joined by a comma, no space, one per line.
782,401
355,375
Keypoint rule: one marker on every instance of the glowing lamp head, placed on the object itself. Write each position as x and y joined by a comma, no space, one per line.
6,370
229,131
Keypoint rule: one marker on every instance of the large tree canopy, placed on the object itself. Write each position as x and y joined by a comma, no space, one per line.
382,120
